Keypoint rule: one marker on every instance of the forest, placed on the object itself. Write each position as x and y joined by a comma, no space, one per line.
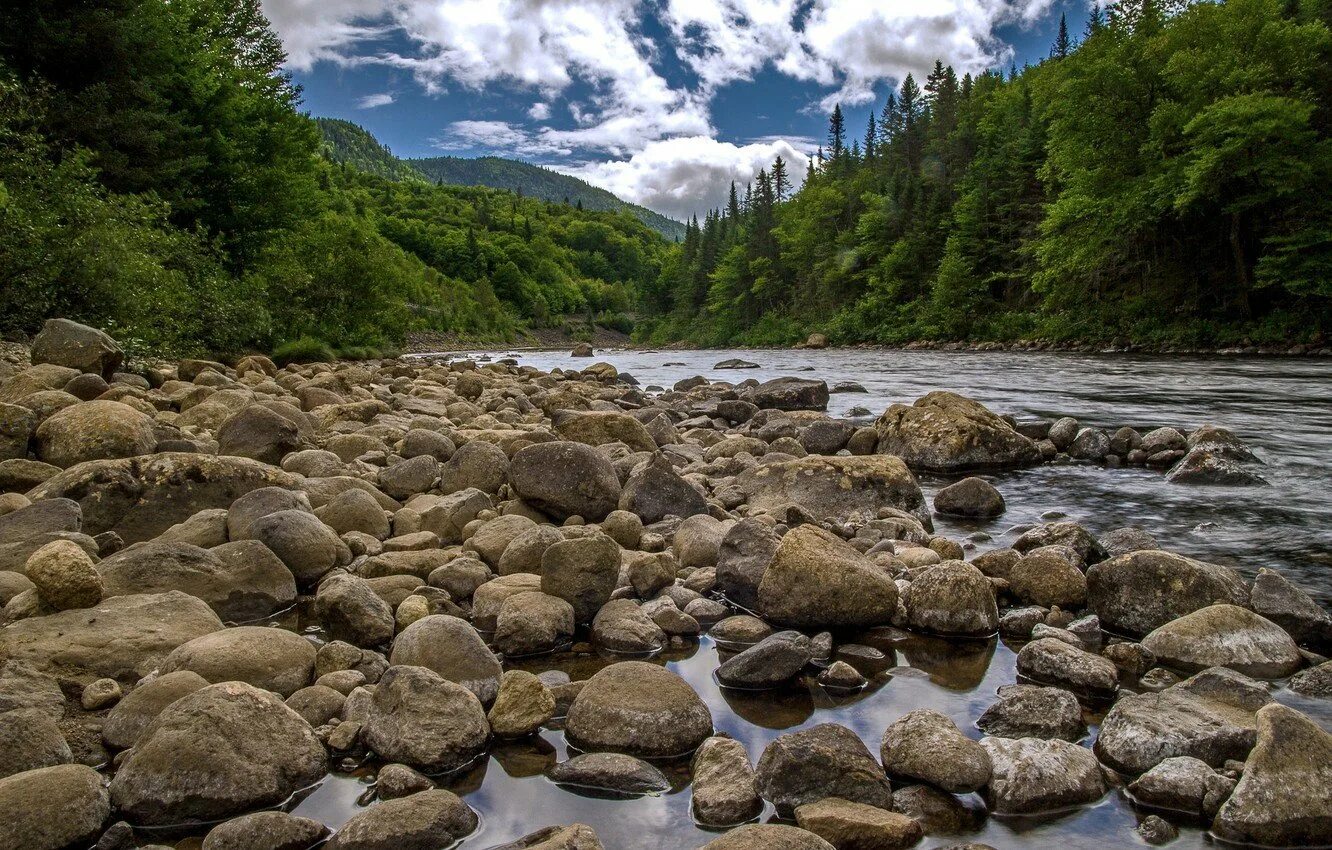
1162,178
158,180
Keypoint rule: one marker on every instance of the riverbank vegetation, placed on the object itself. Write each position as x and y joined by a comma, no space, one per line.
158,181
1164,180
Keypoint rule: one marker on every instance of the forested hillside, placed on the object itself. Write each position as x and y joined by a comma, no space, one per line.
1163,178
157,180
537,182
351,143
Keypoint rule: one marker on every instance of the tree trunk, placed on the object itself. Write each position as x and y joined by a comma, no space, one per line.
1241,266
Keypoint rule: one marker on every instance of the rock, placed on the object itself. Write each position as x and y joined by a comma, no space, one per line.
399,780
94,430
1209,717
317,704
723,784
1044,578
970,497
265,831
945,432
577,836
307,546
51,808
613,772
1276,598
1205,467
651,572
419,718
139,498
524,552
597,428
789,394
582,571
582,349
1070,535
16,427
140,707
451,648
925,745
355,510
257,504
1032,775
350,610
772,661
742,558
822,761
840,676
478,464
450,515
768,837
426,820
951,598
855,826
412,476
64,576
1051,661
640,709
122,638
494,537
258,433
1183,784
222,750
840,487
1027,711
265,657
1226,636
66,343
99,694
533,622
30,740
523,706
1314,682
1156,830
1090,444
621,626
697,541
565,479
1284,797
240,581
1141,591
1122,541
816,580
654,491
740,630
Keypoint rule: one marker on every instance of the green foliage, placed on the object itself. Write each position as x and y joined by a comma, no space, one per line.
1165,181
304,350
345,142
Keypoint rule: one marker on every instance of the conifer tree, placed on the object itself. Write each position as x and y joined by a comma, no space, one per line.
780,184
1062,45
836,134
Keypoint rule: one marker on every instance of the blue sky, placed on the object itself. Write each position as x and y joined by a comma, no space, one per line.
663,102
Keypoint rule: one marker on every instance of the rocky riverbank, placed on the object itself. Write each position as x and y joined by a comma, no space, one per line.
442,525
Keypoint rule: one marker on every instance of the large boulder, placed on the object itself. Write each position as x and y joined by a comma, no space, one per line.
266,657
1284,798
426,820
240,581
1138,592
532,622
1210,717
1205,466
1030,711
789,394
419,718
925,745
951,598
565,479
66,343
839,487
1278,599
816,580
945,432
742,558
1183,784
220,751
258,433
52,808
655,491
582,571
350,610
970,497
1032,775
267,830
139,498
1226,636
140,707
822,761
596,428
1053,661
123,638
772,661
94,430
29,740
451,648
640,709
307,547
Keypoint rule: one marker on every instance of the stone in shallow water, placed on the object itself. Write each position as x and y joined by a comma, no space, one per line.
1141,591
1183,784
951,598
452,648
52,808
576,836
925,745
773,661
426,820
523,706
614,772
1032,775
419,718
946,432
269,830
827,760
723,784
1029,711
970,497
1056,662
640,709
768,837
1226,636
846,824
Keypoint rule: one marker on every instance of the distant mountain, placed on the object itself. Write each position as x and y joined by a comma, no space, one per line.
534,181
356,146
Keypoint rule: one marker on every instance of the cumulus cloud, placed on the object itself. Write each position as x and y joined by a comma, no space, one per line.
598,80
681,177
371,101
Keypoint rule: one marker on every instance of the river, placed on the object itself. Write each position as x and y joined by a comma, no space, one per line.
1281,407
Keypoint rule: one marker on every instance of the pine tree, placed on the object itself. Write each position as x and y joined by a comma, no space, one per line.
871,138
733,208
836,134
1095,18
780,184
1062,45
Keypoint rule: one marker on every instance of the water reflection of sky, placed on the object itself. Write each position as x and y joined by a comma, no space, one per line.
1282,407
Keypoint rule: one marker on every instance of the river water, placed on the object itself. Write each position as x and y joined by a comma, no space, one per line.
1281,407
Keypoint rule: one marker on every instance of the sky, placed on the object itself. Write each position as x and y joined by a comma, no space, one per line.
663,102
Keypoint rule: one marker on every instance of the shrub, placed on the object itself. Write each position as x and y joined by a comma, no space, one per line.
304,350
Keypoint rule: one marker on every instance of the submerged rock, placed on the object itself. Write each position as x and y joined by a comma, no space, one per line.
614,772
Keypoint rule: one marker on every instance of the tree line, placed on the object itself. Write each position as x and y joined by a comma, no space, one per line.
158,180
1161,179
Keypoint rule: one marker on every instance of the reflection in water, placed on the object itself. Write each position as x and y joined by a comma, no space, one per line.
1282,407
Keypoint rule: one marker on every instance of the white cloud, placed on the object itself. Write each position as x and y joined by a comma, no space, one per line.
371,101
681,177
314,30
539,111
